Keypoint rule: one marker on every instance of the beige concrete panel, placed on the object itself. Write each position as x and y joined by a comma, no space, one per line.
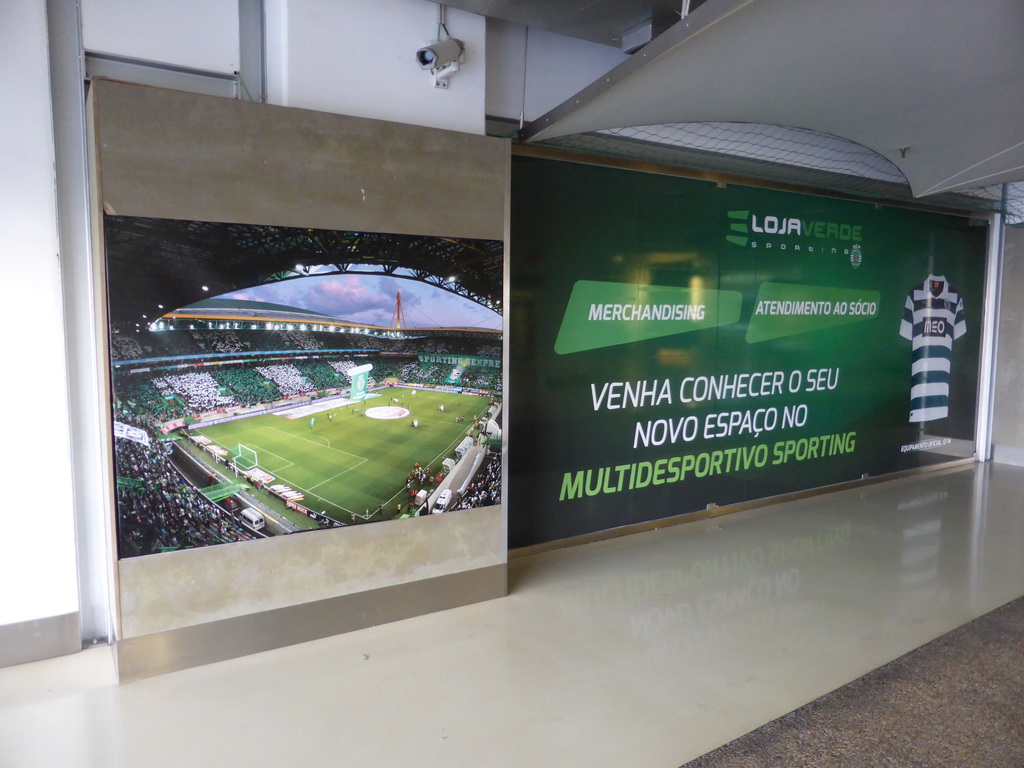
189,587
184,156
177,155
1008,423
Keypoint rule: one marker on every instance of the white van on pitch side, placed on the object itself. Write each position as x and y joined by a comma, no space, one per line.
442,502
252,518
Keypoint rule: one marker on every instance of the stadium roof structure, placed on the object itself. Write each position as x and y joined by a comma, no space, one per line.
239,314
155,266
237,309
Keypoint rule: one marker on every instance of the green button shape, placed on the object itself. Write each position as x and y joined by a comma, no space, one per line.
786,309
603,314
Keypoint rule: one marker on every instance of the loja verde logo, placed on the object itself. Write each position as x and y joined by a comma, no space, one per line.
739,224
756,230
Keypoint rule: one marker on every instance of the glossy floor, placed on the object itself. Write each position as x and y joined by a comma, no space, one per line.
643,651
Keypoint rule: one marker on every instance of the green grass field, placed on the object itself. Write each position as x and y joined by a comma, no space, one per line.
354,463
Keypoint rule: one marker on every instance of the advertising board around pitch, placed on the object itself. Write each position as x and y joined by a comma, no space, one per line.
680,345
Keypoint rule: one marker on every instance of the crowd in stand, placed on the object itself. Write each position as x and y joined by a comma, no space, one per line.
129,343
248,387
218,341
199,391
343,366
167,396
142,396
485,490
135,343
173,396
289,381
158,510
320,374
385,369
301,340
415,372
482,378
125,347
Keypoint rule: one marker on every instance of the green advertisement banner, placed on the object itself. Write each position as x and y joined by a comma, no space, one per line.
676,345
464,361
360,377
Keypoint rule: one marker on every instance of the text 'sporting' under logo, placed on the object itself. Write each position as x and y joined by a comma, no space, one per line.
789,233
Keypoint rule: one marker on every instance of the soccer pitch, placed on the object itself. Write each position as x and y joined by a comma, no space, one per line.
351,463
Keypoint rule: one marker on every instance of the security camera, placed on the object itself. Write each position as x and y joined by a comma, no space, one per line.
442,58
440,54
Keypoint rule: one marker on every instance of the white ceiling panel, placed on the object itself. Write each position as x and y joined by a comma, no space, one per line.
935,86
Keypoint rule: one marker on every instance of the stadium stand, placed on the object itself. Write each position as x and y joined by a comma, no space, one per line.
321,374
343,366
139,394
142,343
287,378
482,378
485,490
247,386
166,375
302,340
199,391
218,341
158,510
125,347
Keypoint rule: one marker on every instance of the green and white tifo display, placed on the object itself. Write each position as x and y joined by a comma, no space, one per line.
687,345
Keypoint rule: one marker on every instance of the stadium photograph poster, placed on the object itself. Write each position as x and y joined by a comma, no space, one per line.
269,380
692,345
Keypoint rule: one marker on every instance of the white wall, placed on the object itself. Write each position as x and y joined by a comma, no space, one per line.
351,57
199,34
556,68
37,541
358,58
1008,421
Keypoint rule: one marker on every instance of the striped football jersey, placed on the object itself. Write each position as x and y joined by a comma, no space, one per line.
933,317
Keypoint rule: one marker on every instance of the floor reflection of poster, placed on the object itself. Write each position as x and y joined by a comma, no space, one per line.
267,380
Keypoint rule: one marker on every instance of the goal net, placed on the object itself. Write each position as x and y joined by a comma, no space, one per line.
245,458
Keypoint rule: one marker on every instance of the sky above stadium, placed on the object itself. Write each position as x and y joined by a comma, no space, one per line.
369,299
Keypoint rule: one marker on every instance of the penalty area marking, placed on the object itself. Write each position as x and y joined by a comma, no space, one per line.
387,412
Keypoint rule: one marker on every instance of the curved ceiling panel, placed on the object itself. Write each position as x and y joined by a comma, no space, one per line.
935,86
